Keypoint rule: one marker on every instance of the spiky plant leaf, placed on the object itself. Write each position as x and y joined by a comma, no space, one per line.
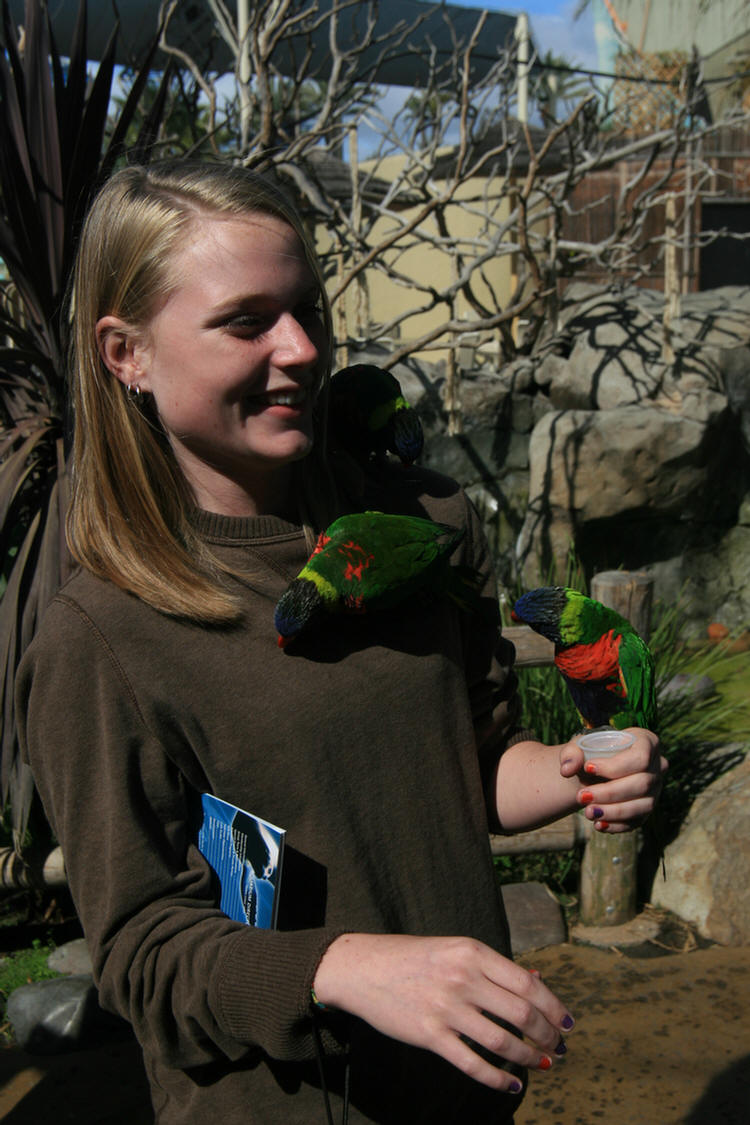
54,155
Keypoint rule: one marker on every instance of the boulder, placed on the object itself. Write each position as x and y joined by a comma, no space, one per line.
614,482
712,577
72,958
611,364
627,459
708,867
695,686
55,1016
735,363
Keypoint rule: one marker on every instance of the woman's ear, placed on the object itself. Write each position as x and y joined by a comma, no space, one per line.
121,351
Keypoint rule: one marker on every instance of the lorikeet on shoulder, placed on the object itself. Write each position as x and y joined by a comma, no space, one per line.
369,416
369,561
607,667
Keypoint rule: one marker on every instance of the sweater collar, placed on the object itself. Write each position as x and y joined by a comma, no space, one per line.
212,525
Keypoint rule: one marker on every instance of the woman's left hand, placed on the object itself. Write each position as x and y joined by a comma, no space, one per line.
620,792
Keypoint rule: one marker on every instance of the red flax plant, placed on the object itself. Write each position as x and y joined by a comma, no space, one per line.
57,145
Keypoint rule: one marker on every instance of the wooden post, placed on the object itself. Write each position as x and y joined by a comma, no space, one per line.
532,650
608,867
671,280
629,593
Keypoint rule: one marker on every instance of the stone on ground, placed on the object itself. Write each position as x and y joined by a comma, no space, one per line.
534,916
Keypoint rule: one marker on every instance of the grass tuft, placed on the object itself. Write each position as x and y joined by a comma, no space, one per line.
25,966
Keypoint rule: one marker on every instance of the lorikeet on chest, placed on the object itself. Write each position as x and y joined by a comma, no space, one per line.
370,561
607,667
369,416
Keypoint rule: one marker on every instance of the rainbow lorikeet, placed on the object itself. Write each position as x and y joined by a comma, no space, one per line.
369,561
605,664
369,416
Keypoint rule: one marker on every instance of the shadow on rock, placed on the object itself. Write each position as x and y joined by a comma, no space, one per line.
726,1099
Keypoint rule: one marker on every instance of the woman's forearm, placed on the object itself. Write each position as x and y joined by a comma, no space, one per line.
529,787
534,784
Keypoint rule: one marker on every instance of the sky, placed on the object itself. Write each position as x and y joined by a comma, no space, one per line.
552,26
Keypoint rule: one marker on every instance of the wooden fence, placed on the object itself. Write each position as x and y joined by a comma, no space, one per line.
608,869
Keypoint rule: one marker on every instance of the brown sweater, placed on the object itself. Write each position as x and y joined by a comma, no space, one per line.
361,741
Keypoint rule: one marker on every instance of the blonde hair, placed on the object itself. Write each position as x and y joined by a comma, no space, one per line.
129,519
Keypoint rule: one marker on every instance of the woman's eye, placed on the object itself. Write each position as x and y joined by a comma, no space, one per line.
251,325
247,324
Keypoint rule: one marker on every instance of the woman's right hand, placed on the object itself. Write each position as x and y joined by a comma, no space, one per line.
433,992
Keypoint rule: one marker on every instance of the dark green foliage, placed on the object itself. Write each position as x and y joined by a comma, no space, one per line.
547,707
559,870
54,154
702,737
186,123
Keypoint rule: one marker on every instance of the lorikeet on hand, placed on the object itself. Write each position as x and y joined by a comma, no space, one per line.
370,416
369,561
607,667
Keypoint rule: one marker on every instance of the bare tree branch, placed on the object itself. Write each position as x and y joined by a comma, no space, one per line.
450,217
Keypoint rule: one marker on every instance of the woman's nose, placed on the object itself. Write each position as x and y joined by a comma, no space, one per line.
293,343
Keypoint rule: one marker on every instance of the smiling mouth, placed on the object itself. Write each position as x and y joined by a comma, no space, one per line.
281,398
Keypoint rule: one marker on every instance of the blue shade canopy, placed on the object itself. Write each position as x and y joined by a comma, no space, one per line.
443,27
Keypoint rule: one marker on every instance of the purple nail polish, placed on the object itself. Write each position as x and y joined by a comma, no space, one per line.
567,1022
598,814
561,1048
515,1087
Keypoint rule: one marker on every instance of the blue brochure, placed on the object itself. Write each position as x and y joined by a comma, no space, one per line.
246,853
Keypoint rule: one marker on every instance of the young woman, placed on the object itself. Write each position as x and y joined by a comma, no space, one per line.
385,744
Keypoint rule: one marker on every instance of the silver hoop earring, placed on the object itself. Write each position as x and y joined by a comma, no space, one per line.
134,390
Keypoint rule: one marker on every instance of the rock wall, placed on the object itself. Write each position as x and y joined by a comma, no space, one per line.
707,881
607,442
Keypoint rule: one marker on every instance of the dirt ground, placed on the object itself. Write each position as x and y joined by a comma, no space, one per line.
662,1040
659,1040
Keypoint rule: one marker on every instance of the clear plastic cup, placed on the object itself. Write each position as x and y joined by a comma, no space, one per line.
603,743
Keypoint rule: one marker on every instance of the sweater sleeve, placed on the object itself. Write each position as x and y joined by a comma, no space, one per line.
195,985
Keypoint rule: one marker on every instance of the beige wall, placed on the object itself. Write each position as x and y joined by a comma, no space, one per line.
422,262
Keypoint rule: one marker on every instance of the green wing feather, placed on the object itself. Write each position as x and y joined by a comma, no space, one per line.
369,561
637,670
381,558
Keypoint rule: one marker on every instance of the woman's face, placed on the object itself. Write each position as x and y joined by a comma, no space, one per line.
230,359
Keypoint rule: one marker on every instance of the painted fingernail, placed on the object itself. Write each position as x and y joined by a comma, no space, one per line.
567,1022
585,796
544,1063
515,1087
589,768
598,813
601,825
561,1048
535,973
